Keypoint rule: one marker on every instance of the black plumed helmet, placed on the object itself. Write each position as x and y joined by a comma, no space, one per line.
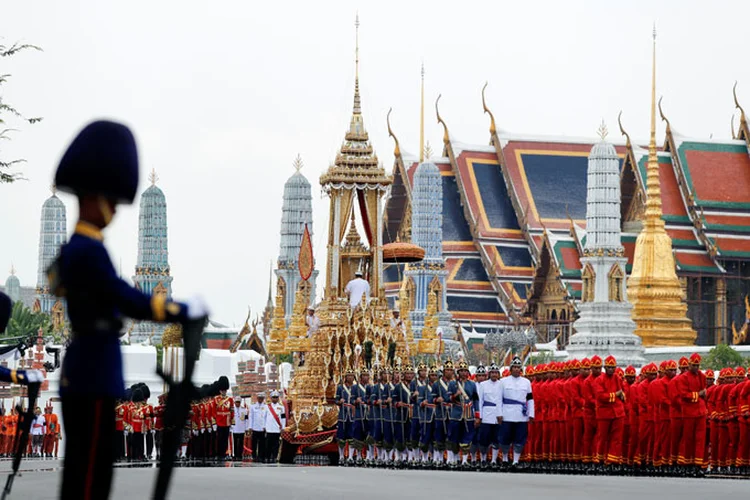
146,392
101,160
137,395
223,383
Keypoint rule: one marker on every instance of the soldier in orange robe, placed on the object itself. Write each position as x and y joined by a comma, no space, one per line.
610,414
692,391
52,436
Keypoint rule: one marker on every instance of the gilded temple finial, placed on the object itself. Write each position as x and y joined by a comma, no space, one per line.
653,189
622,129
731,124
421,121
152,177
602,131
397,148
298,163
446,136
53,189
493,129
12,269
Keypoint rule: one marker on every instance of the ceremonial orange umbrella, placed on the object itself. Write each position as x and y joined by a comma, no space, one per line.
402,253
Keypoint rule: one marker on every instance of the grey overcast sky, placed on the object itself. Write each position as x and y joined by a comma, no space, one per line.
223,95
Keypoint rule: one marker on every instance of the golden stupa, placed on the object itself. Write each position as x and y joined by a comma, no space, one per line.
659,312
356,184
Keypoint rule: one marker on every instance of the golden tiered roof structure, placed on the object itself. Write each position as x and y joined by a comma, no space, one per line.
355,183
659,312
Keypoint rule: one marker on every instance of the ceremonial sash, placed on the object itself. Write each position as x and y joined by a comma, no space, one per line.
274,415
524,406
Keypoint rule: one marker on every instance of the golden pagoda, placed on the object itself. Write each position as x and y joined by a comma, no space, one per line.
654,290
356,184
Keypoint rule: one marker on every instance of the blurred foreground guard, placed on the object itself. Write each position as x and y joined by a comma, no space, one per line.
101,168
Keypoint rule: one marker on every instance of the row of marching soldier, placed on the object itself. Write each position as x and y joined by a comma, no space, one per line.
579,416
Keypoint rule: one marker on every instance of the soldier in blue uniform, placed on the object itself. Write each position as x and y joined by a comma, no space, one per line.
426,401
101,168
401,397
380,399
388,415
24,377
442,409
480,376
416,384
345,400
360,392
464,412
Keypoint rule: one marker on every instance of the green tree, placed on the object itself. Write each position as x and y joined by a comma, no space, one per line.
7,111
24,323
722,356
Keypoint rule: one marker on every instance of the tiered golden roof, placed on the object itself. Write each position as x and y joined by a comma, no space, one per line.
277,335
654,290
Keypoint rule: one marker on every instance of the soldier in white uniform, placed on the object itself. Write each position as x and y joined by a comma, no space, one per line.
516,408
275,422
490,398
258,427
240,419
356,288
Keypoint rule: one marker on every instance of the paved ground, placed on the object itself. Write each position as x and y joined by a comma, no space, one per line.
41,479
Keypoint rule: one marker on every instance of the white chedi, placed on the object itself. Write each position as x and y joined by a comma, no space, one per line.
604,326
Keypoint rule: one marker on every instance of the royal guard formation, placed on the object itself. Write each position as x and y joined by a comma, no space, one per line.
579,416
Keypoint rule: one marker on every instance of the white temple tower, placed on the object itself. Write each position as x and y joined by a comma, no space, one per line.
604,325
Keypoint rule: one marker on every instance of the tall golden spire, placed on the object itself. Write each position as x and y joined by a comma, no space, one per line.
653,189
357,101
659,312
421,121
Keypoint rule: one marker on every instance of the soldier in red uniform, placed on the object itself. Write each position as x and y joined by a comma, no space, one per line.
589,413
159,423
196,441
692,390
743,418
120,410
657,395
224,407
136,421
629,433
733,417
576,414
610,413
646,417
712,429
676,425
542,426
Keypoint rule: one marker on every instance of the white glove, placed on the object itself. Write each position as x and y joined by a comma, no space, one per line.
126,433
34,376
203,431
214,426
196,307
153,431
195,432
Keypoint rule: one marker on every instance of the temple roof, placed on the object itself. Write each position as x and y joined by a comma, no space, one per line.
499,200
